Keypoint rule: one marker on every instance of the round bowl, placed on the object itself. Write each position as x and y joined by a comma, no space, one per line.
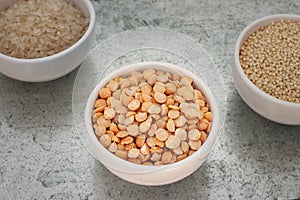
264,104
152,175
54,66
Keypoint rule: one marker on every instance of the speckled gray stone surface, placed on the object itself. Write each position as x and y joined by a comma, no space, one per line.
41,156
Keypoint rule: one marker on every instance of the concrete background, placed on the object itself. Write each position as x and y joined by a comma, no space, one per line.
41,156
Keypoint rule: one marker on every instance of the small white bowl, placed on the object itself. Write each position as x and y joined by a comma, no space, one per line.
54,66
264,104
151,175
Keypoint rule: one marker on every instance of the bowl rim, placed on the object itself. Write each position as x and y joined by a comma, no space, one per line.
92,21
142,169
242,36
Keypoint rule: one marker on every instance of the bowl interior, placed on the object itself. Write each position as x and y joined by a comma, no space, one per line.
84,6
112,161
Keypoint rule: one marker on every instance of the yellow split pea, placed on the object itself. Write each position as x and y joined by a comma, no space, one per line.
151,117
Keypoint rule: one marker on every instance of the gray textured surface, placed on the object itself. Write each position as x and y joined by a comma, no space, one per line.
41,156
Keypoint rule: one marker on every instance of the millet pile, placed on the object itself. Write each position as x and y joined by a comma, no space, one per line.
270,57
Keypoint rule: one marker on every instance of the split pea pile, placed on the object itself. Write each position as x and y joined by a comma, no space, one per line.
151,117
270,57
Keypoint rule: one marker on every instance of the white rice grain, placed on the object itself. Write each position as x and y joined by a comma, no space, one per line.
40,28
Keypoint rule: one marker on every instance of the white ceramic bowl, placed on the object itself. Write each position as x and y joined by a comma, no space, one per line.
151,175
264,104
54,66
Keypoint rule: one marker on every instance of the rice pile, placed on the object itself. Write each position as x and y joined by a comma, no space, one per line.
39,28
